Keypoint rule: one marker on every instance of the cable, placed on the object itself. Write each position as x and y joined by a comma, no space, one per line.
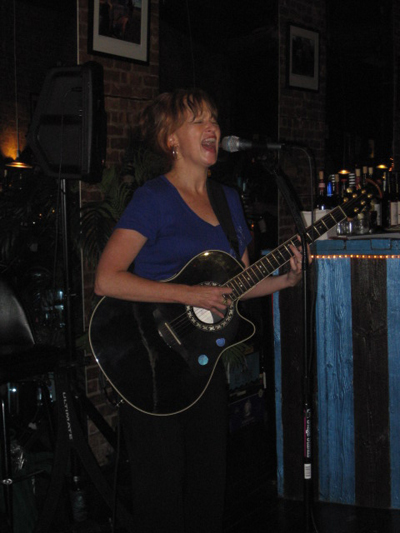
15,76
311,311
115,483
191,43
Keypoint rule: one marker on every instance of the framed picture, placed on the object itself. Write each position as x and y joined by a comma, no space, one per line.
119,28
303,61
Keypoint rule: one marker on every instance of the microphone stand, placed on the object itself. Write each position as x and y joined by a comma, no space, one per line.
288,192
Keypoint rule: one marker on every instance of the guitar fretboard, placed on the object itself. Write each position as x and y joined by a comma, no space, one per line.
264,267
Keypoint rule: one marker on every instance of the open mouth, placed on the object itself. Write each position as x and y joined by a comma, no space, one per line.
210,143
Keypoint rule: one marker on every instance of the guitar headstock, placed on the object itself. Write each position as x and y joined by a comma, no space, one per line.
357,200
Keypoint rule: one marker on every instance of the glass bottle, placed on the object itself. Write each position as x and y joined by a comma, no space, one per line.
344,183
371,173
357,178
385,202
397,185
321,201
393,199
364,176
336,200
329,195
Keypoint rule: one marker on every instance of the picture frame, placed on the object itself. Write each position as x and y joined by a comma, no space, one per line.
303,58
119,28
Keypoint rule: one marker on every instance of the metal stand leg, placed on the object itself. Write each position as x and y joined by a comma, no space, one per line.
6,465
70,437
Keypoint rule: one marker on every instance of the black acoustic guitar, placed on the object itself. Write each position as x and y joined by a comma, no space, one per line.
160,358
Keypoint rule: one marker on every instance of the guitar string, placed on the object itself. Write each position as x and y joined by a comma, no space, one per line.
182,320
241,281
182,323
283,252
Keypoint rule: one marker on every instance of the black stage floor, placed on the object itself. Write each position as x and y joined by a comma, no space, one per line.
252,504
282,516
253,507
258,510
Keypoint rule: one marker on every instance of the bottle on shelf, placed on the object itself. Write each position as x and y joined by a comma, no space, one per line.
381,173
376,204
364,176
329,195
357,174
336,194
344,183
393,196
397,188
321,201
373,216
386,202
244,194
371,173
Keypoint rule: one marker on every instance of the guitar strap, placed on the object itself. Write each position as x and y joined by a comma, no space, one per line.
220,206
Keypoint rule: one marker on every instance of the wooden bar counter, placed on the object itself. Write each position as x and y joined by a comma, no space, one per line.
356,375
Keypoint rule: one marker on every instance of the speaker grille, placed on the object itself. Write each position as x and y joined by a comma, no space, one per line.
68,131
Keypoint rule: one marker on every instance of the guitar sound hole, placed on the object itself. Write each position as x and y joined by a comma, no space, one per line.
208,321
205,319
206,316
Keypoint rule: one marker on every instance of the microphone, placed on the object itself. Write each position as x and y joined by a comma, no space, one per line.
234,144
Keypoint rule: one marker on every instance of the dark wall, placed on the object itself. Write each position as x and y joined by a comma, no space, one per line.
45,36
360,83
229,49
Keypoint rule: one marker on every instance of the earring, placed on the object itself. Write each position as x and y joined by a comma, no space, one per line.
174,151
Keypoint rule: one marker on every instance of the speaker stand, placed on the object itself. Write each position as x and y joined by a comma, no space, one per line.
70,438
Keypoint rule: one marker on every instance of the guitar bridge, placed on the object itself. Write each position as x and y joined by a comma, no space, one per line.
167,334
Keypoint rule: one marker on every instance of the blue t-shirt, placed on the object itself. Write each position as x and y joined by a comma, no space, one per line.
175,234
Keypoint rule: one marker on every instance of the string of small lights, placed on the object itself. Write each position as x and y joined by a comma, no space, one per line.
355,256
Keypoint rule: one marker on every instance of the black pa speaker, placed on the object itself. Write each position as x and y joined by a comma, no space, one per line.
68,131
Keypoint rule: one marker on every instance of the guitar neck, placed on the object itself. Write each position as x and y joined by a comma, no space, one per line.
264,267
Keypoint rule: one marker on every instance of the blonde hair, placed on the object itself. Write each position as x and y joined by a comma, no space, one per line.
168,112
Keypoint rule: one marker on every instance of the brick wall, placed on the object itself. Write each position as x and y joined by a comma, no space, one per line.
301,114
46,35
128,87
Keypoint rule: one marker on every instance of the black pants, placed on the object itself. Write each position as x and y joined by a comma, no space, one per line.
178,464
